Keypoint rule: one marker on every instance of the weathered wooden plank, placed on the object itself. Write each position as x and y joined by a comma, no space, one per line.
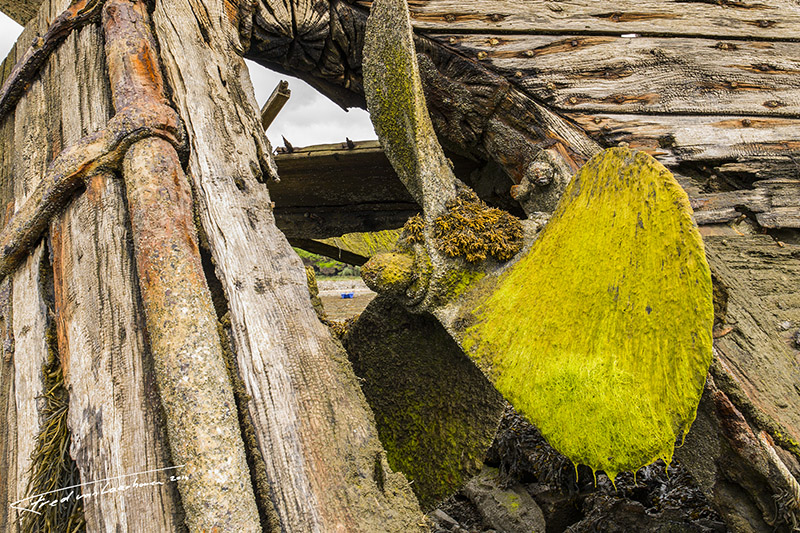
280,95
761,280
775,203
575,73
329,190
327,222
29,312
313,428
331,173
8,404
676,139
314,176
20,11
30,317
114,414
768,19
8,412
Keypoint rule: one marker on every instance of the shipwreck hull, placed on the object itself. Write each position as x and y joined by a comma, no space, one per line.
711,89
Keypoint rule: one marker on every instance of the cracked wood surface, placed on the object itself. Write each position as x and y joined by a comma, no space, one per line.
24,134
114,412
313,426
644,75
710,90
114,415
762,281
769,20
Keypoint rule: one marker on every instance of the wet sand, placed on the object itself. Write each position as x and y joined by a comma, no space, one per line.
338,308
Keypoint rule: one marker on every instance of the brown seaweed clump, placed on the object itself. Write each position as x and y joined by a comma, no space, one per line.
473,230
413,231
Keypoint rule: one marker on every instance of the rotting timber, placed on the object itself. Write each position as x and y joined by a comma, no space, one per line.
310,469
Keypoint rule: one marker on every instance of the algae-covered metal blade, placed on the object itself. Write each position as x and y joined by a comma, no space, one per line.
396,104
435,412
600,334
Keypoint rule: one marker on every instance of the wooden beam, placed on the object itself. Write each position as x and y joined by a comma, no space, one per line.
329,190
275,103
20,11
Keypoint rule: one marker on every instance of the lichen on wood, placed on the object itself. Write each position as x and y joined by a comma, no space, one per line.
397,107
610,355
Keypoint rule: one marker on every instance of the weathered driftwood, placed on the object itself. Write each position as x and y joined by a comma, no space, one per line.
26,67
115,417
275,103
313,428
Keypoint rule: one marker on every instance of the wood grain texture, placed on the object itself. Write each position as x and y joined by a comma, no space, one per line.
313,427
507,83
20,11
30,313
8,404
644,75
702,139
762,280
774,203
30,330
769,19
8,413
114,413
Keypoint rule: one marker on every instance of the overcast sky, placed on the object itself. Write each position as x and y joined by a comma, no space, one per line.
308,117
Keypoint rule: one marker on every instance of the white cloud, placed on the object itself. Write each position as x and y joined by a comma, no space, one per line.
308,117
9,32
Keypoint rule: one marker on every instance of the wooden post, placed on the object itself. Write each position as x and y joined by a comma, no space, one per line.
196,393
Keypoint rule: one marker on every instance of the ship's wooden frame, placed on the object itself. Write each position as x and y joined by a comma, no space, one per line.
710,88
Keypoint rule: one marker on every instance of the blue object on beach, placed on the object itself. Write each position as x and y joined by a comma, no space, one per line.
347,295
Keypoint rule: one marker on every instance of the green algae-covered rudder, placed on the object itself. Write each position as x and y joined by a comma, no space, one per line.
601,333
599,330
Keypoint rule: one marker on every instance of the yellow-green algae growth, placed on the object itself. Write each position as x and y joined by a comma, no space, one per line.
389,273
366,244
601,334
